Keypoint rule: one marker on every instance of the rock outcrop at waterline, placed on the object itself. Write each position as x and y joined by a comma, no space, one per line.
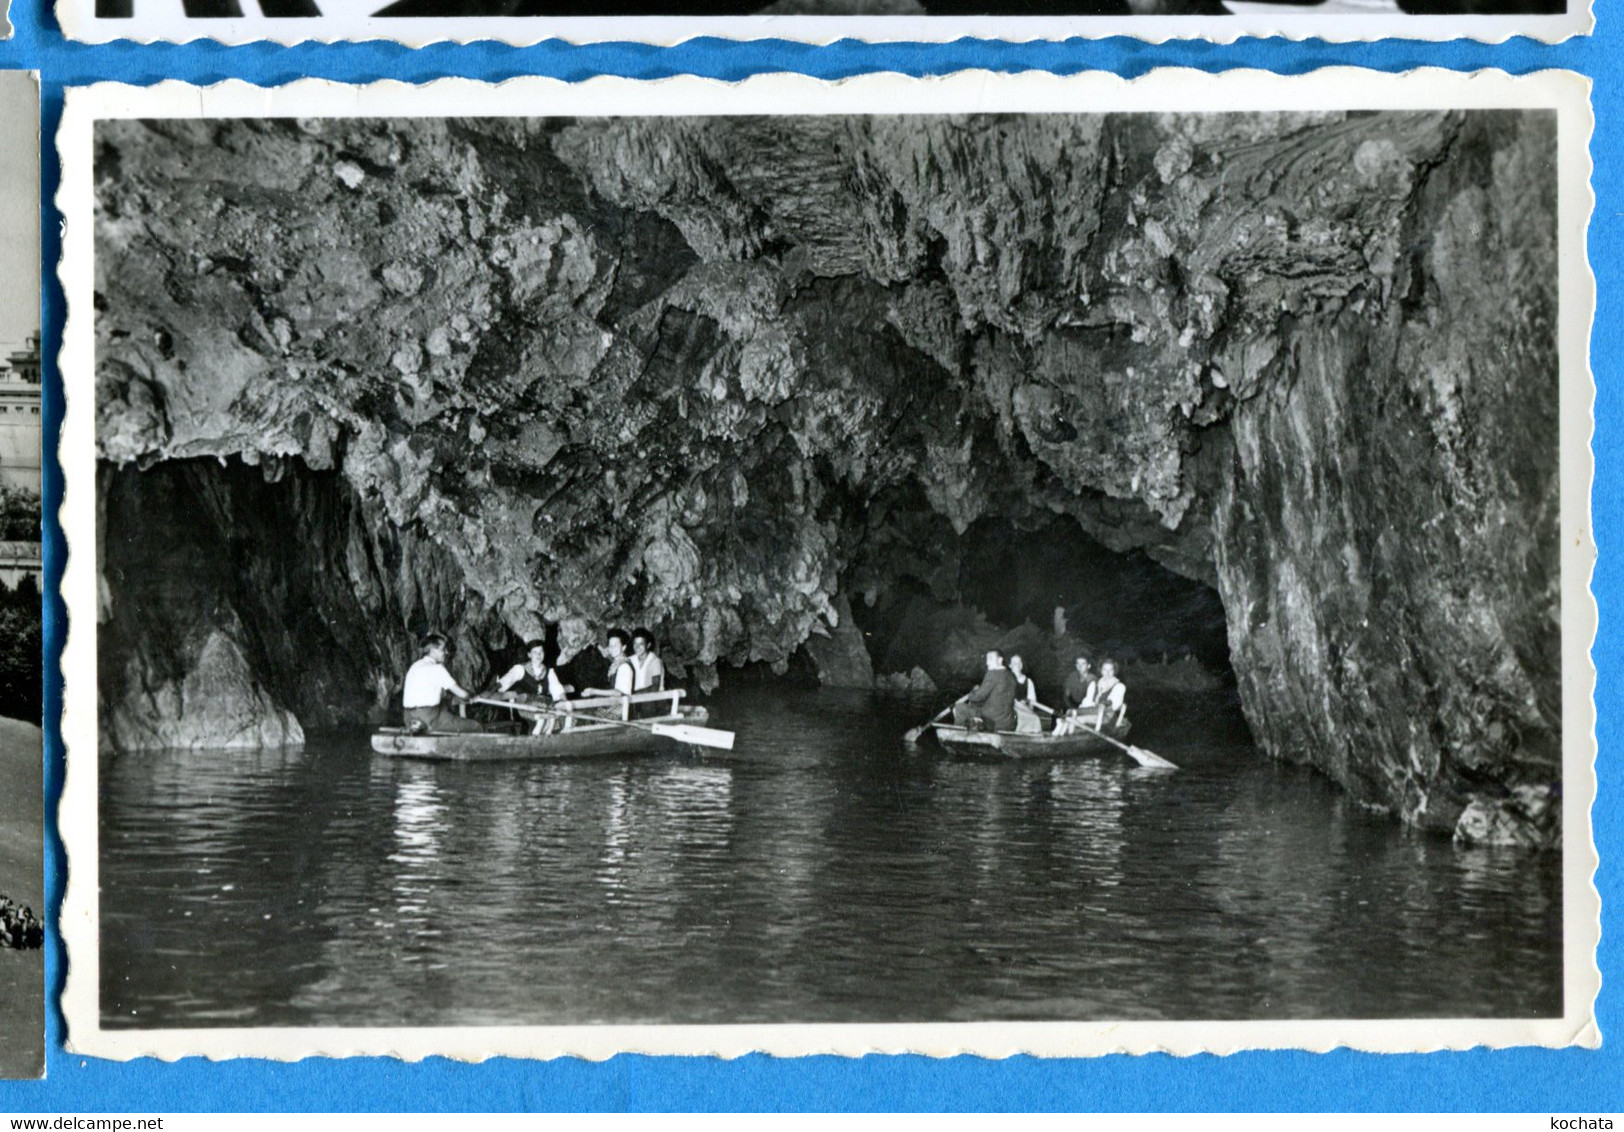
712,374
241,606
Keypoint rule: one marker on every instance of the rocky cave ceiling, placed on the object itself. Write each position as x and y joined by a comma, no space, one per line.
577,352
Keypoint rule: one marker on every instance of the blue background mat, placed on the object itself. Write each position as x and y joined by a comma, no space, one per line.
1567,1081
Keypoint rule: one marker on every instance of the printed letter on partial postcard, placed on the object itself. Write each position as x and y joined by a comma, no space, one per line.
987,564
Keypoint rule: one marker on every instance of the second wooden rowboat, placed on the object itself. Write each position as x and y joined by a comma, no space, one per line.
1028,745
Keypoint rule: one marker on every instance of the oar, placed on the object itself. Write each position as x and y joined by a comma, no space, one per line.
682,732
531,709
686,733
913,733
1137,754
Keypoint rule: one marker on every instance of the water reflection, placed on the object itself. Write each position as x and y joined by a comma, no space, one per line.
419,820
819,872
418,815
1089,797
618,834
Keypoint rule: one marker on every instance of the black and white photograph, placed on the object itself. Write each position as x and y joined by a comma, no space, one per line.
22,808
1058,565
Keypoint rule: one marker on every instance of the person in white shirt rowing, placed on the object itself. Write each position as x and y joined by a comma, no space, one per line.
427,682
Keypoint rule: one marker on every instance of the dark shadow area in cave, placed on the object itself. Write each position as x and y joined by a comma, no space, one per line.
224,578
1124,604
1010,584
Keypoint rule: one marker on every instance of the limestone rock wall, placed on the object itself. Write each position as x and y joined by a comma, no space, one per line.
270,602
699,373
1388,535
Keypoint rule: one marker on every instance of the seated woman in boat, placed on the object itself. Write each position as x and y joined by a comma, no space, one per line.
991,706
535,682
622,677
1027,720
648,672
427,682
1111,696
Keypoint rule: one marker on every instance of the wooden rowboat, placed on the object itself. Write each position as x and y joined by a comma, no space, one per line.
1027,745
579,735
586,739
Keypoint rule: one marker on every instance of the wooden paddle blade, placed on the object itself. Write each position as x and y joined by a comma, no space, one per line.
698,736
1150,758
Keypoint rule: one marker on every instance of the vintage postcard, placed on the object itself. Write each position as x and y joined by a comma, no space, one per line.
989,564
419,22
22,806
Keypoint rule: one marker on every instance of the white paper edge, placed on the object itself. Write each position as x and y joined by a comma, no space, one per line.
965,92
171,25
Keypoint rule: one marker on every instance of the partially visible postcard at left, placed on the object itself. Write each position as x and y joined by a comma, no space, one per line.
22,834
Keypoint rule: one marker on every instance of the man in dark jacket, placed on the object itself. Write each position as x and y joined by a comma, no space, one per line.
992,705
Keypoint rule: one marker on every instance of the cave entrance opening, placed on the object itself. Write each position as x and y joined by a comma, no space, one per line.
1123,603
1050,592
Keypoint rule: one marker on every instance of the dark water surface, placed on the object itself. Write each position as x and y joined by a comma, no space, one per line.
819,872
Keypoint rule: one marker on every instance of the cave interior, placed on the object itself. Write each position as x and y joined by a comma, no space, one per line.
1255,385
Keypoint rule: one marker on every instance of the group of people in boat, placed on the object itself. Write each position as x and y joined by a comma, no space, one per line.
634,667
1007,699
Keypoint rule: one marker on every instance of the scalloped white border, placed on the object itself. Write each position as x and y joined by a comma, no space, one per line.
1163,90
170,25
